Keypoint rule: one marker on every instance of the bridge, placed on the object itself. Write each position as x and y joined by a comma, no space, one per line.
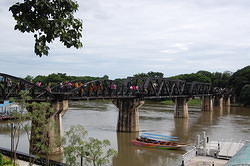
127,94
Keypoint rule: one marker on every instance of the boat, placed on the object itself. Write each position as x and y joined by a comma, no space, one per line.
159,138
158,141
7,110
159,135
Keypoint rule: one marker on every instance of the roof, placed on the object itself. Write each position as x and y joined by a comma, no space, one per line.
241,158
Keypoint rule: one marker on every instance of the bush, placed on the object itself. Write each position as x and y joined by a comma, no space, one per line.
4,161
245,95
1,160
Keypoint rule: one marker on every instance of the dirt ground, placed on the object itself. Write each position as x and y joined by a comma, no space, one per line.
206,161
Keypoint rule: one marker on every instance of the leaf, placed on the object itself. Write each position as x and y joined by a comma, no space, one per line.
48,20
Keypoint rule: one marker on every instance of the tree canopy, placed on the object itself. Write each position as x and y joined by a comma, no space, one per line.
62,77
217,79
48,20
193,77
245,95
239,79
149,74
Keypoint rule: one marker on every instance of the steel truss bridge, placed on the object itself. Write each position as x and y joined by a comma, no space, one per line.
144,88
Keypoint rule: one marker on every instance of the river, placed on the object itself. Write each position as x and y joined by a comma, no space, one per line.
100,118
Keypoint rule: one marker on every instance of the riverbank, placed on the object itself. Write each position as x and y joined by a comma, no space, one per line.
6,161
206,161
192,102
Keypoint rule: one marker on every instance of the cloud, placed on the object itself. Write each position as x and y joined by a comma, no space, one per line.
122,38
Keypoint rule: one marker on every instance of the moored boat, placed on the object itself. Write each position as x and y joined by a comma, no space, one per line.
168,142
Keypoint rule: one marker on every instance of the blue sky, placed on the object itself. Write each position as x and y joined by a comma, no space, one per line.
122,38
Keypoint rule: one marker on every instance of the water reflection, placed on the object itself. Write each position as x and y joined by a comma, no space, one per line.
131,155
228,109
100,119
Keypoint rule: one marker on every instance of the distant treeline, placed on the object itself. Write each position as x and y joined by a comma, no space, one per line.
239,81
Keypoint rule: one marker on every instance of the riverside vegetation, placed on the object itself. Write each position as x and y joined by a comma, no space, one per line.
5,161
238,81
77,145
192,102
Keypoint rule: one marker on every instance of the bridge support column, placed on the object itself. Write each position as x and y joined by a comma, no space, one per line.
181,107
207,103
218,101
53,133
226,101
128,119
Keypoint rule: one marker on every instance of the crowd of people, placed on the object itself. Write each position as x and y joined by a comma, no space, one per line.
95,88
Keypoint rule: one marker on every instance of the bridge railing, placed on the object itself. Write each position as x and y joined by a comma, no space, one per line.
10,86
189,155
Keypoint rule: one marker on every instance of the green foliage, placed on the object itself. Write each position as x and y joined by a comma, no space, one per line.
40,115
245,95
105,77
167,102
4,161
205,73
1,159
193,77
150,74
192,102
42,124
239,79
75,140
62,77
221,79
29,78
93,151
217,79
48,20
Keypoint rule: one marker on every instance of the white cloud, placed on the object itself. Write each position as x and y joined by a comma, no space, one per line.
123,37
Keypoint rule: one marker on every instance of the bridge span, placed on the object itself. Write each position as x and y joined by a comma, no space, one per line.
128,95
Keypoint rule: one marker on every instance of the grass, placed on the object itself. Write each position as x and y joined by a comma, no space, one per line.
5,161
192,102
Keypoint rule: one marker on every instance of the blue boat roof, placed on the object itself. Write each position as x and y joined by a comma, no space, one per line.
241,158
6,102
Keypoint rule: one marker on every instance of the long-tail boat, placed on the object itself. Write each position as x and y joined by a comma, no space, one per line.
158,141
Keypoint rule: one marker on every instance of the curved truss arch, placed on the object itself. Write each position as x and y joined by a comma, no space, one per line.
10,86
132,87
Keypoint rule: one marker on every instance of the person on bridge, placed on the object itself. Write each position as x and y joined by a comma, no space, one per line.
48,87
39,83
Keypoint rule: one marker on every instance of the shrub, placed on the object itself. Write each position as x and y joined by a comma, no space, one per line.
245,95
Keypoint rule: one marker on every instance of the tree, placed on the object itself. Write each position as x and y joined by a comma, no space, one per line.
29,78
105,77
48,20
205,73
37,131
93,151
155,74
193,77
245,95
149,74
239,79
18,126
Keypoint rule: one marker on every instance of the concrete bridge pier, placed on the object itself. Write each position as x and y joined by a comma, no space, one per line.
128,119
207,103
52,137
181,107
218,101
226,101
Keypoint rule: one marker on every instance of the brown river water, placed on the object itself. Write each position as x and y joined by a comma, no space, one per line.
100,118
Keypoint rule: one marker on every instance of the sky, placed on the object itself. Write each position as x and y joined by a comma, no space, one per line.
122,38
